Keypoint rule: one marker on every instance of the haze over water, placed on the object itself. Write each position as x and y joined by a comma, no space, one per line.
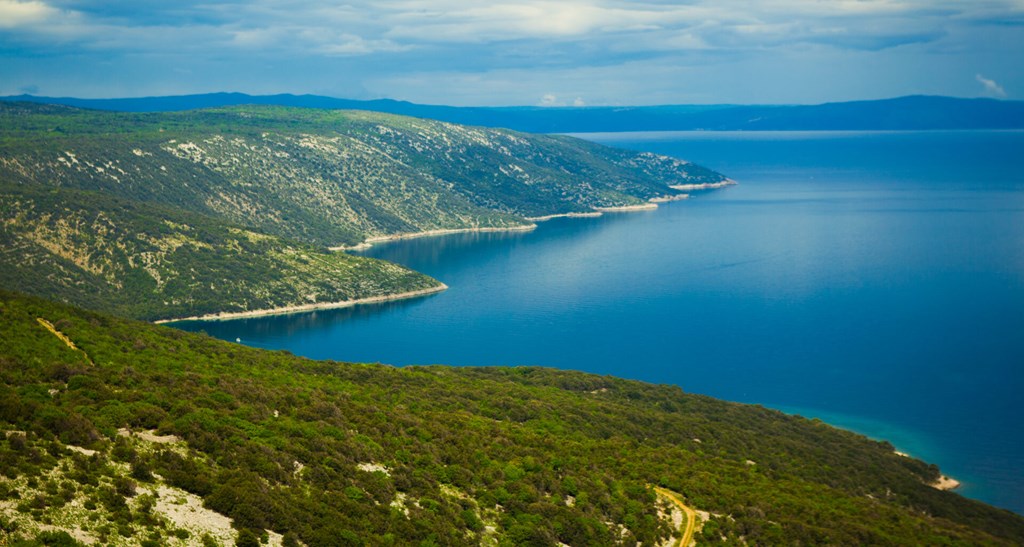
875,280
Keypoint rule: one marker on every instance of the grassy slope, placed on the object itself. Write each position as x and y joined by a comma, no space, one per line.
540,455
148,261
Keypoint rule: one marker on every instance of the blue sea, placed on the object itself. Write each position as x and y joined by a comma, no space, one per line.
874,280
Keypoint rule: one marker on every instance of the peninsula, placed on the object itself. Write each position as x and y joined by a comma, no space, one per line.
235,211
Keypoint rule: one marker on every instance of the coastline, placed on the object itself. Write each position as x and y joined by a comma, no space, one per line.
600,211
650,204
945,482
628,208
587,214
666,199
876,431
368,242
299,308
703,186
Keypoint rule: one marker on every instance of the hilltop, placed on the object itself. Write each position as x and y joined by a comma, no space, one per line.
166,215
126,433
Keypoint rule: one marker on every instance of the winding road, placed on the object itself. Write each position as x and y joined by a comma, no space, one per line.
691,515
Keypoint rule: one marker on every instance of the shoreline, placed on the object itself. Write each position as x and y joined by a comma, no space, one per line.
368,242
585,214
703,186
600,211
875,431
944,482
301,308
667,199
449,231
650,204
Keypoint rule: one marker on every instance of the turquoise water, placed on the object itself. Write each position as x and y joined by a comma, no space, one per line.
873,280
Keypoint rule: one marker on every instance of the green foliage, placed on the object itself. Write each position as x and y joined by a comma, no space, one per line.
246,538
540,456
158,216
56,539
328,177
130,258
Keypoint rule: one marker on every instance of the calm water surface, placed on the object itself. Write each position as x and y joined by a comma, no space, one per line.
874,280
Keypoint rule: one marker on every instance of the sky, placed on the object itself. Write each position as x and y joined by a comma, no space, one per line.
532,52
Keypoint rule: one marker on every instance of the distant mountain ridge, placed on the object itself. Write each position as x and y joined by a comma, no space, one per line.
902,113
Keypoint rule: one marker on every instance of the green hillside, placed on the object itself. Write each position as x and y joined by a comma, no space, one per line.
324,177
148,261
159,216
141,434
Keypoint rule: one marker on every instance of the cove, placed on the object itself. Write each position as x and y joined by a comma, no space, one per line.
874,280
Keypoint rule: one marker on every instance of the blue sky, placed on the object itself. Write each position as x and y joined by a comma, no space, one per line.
559,52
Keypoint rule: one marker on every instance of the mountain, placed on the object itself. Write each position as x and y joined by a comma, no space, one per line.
124,432
902,113
166,215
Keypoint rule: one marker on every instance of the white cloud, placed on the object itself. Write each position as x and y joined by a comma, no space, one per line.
578,101
992,89
455,21
256,37
350,44
517,51
14,14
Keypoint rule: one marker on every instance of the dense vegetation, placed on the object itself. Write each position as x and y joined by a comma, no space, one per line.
159,216
120,432
148,261
328,177
331,453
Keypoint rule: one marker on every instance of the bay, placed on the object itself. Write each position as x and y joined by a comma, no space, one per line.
874,280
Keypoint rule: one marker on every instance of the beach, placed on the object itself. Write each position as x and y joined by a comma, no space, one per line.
309,307
598,211
432,233
703,186
628,208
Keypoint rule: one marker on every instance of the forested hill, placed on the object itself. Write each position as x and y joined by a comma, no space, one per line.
143,260
126,433
328,177
166,215
901,113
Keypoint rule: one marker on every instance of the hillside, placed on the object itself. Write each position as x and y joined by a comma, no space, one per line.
118,438
142,260
901,113
160,216
328,177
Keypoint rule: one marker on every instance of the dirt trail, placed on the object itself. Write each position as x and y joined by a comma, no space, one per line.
63,338
691,516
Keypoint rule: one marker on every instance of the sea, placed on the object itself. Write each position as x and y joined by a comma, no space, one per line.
874,280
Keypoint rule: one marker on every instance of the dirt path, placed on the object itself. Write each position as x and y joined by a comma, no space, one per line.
691,516
63,338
